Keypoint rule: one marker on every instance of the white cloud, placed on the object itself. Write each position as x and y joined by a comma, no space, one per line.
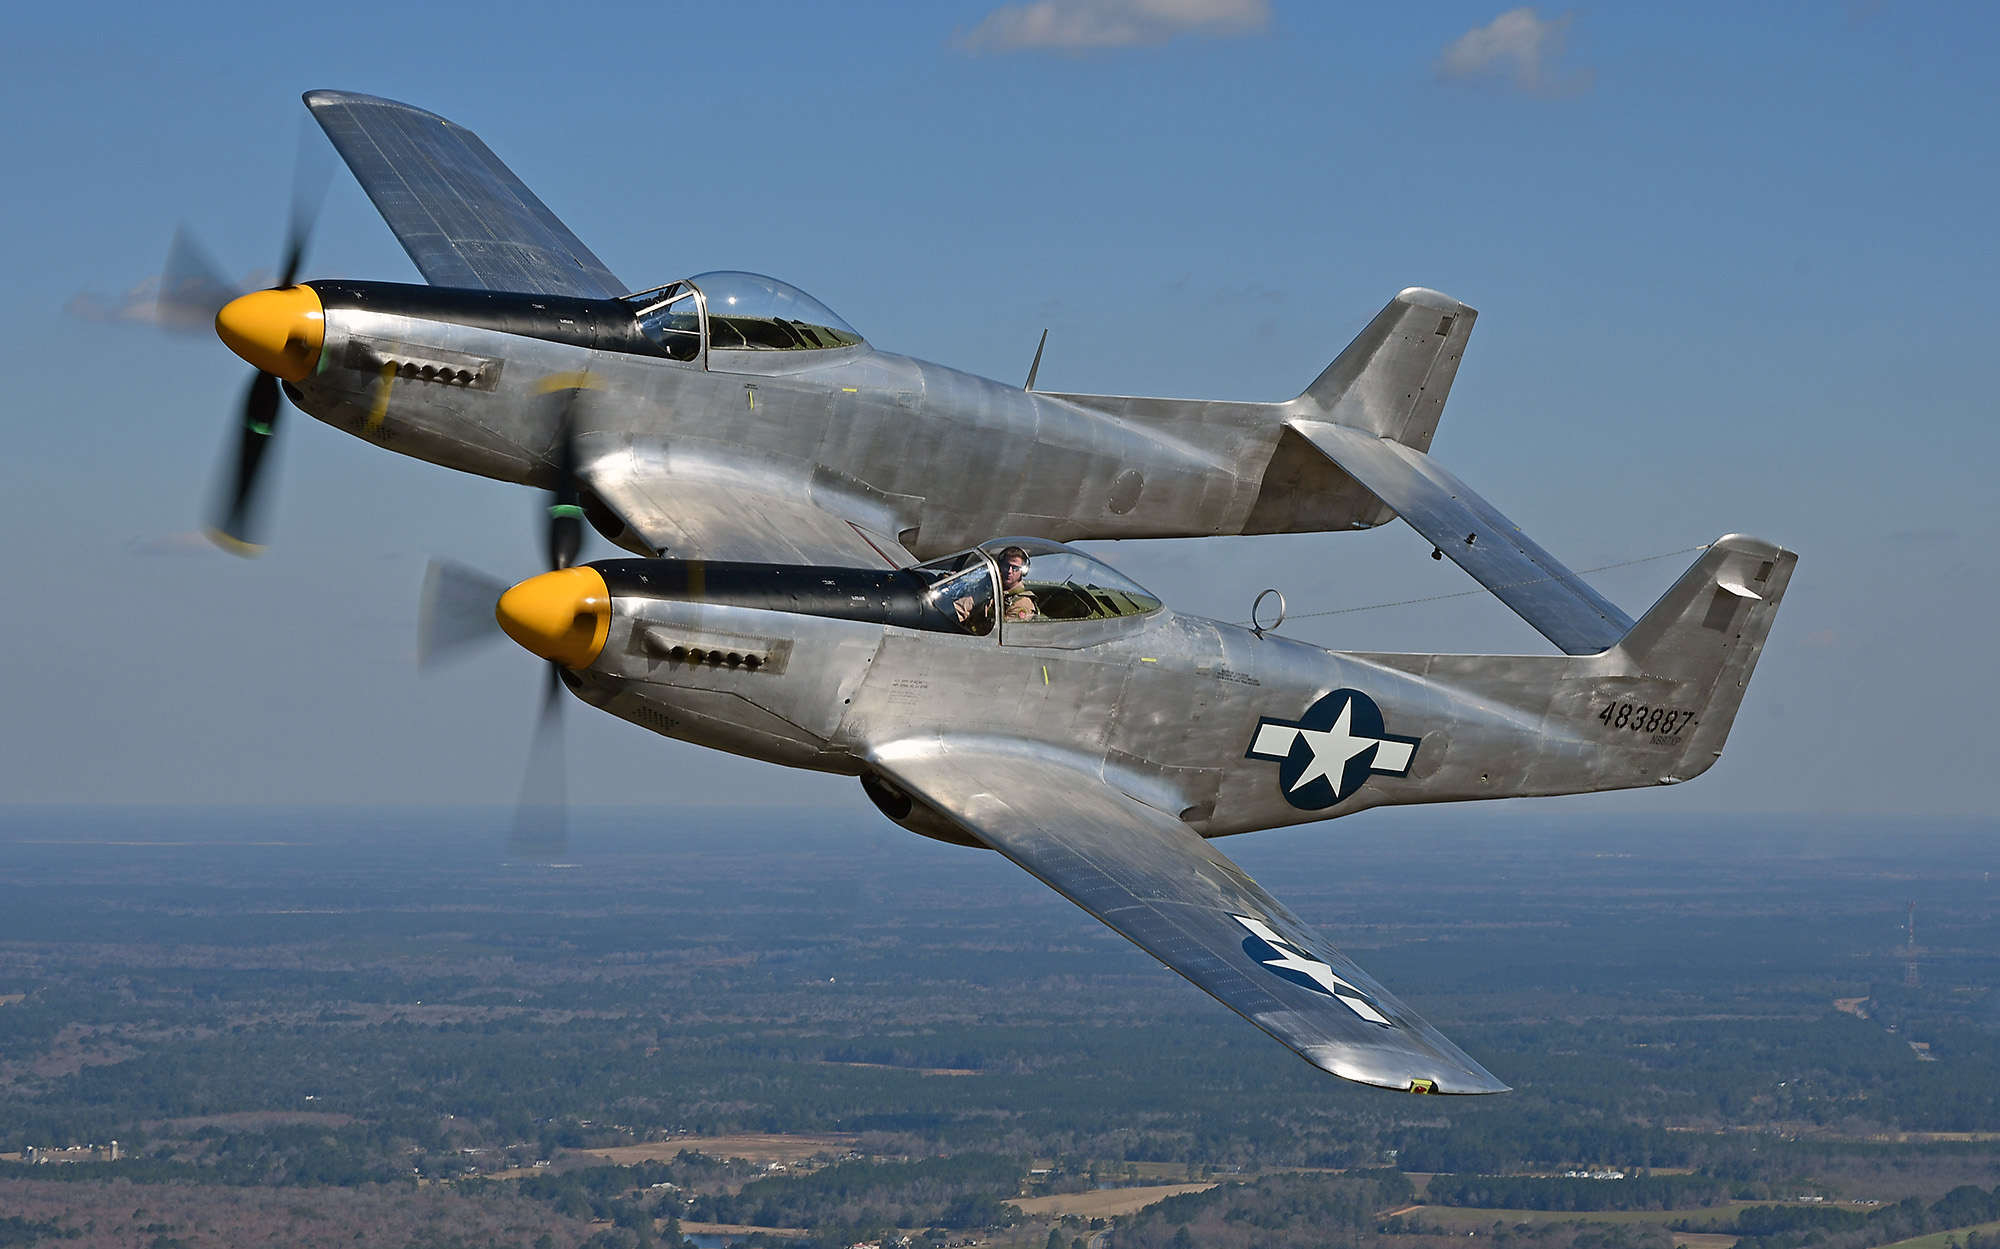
1083,25
1519,46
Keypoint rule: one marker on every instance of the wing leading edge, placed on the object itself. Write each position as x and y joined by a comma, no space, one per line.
1162,887
461,214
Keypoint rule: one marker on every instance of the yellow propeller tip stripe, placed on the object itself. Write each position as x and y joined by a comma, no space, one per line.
234,545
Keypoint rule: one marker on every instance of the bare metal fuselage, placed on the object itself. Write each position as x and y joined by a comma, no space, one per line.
929,456
1165,707
1168,707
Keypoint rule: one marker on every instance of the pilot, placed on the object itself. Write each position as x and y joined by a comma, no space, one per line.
1019,599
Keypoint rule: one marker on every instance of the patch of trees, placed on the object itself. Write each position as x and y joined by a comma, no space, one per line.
1636,1192
1794,1227
1503,1139
622,1196
1279,1211
15,1230
960,1192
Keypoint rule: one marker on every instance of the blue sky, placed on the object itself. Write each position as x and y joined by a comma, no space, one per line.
1730,262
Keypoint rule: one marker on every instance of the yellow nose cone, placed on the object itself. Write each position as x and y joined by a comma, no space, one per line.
281,332
561,615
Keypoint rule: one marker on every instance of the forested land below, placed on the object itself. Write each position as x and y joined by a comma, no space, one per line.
374,1003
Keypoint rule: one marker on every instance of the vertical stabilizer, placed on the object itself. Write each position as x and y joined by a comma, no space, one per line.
1699,644
1393,379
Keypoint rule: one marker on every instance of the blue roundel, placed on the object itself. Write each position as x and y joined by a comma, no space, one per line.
1330,751
1274,960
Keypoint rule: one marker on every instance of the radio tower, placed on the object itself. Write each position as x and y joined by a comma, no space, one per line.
1910,951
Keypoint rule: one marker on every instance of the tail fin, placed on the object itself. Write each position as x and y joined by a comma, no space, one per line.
1696,648
1393,378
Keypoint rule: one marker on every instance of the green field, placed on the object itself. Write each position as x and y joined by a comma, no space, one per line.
1944,1240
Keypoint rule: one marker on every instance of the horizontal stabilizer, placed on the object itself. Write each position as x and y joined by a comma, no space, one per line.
461,214
1558,603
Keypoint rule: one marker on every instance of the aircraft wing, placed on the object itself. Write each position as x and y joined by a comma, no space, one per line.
1560,605
461,214
751,521
1161,886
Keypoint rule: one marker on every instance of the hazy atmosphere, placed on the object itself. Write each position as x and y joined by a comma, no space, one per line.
1728,262
273,972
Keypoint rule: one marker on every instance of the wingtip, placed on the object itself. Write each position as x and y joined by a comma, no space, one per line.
1404,1072
327,97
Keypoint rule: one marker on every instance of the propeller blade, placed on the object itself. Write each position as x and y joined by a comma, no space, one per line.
297,237
541,819
238,524
455,614
192,287
311,174
565,531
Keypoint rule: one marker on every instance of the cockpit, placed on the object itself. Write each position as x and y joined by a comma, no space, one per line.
727,311
1028,587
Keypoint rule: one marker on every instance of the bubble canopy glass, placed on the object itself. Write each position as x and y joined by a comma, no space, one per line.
746,312
1061,583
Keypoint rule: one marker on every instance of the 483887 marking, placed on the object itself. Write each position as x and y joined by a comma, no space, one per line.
1661,722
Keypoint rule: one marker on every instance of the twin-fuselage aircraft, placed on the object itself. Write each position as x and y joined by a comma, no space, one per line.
857,562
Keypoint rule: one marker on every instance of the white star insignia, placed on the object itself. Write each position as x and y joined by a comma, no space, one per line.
1323,977
1332,749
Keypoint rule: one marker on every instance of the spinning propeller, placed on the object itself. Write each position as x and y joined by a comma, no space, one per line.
279,330
561,615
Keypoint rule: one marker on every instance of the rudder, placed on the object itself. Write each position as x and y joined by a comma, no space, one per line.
1393,379
1704,636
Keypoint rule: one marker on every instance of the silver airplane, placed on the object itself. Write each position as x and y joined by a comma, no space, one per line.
818,585
736,417
1024,696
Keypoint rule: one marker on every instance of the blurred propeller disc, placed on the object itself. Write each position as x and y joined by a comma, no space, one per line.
237,526
192,287
190,284
455,614
541,819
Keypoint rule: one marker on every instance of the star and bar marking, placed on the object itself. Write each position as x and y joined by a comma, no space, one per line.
1331,750
1291,963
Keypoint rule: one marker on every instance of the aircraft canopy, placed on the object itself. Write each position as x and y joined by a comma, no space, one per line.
1061,583
744,312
